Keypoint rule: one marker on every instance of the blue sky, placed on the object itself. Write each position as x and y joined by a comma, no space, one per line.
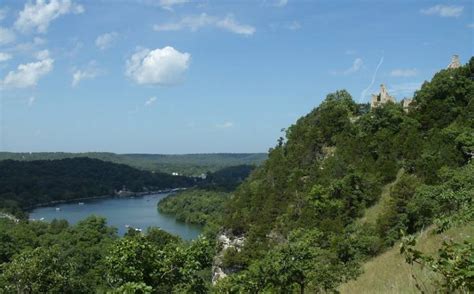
178,76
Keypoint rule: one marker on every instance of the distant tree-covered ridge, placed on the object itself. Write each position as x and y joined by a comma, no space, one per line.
226,179
28,183
185,164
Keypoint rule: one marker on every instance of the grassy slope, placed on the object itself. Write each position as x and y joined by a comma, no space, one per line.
388,272
373,212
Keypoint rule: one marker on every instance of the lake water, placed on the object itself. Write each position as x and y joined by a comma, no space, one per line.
138,212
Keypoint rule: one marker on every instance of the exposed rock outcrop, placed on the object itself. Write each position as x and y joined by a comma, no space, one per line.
225,241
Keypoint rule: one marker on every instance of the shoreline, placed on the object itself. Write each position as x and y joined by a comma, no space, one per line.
129,194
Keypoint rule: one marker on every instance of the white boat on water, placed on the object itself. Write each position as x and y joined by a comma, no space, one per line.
58,209
81,203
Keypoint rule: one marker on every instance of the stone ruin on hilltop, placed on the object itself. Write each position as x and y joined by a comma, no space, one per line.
455,63
384,97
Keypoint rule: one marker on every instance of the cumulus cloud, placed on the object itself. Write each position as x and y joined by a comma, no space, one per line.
150,101
6,36
225,125
104,41
4,56
164,66
89,72
196,22
37,16
28,74
444,10
410,72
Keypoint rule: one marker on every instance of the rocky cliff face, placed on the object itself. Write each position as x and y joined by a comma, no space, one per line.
225,241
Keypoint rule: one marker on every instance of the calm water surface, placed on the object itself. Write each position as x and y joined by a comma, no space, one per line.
138,212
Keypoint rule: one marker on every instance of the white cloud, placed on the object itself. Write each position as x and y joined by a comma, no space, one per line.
192,23
31,101
28,74
89,72
150,101
225,125
104,41
444,10
40,14
164,66
230,24
43,54
294,25
356,66
4,57
29,46
404,89
6,36
281,3
410,72
196,22
168,4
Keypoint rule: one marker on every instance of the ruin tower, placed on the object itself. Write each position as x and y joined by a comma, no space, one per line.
382,98
455,63
406,102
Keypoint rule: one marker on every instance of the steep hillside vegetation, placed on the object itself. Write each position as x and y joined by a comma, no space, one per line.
303,206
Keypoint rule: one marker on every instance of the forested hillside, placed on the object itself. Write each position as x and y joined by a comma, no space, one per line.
205,203
186,164
195,206
301,211
27,183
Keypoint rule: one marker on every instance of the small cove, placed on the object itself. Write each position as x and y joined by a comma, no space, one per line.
138,212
